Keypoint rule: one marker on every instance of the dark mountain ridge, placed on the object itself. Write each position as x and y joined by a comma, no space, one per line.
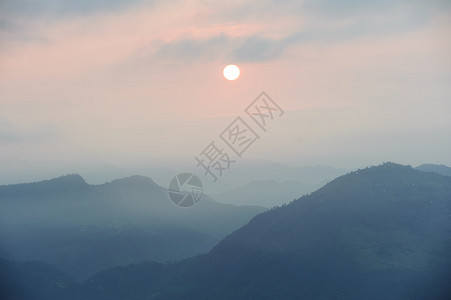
378,233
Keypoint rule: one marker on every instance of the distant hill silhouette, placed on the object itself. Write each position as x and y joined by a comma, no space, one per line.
83,229
65,183
266,193
377,233
312,176
439,169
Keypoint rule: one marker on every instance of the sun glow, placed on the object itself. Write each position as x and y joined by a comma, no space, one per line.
231,72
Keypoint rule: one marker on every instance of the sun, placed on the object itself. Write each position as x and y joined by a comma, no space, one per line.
231,72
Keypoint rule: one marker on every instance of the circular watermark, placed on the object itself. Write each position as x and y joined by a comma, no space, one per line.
185,190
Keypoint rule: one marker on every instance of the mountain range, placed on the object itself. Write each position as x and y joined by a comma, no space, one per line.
376,233
83,229
237,176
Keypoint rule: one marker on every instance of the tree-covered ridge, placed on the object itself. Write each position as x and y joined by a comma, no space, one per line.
377,233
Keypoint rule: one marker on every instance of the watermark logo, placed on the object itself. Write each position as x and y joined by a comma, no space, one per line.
234,140
185,190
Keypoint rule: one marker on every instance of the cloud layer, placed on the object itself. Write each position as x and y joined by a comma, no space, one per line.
137,80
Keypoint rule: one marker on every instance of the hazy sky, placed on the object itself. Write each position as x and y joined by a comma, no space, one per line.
135,82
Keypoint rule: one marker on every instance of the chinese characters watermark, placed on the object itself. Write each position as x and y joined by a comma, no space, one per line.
219,155
239,136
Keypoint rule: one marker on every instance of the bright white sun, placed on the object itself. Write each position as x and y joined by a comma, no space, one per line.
231,72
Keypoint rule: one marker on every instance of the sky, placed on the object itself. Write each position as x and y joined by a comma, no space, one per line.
139,83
